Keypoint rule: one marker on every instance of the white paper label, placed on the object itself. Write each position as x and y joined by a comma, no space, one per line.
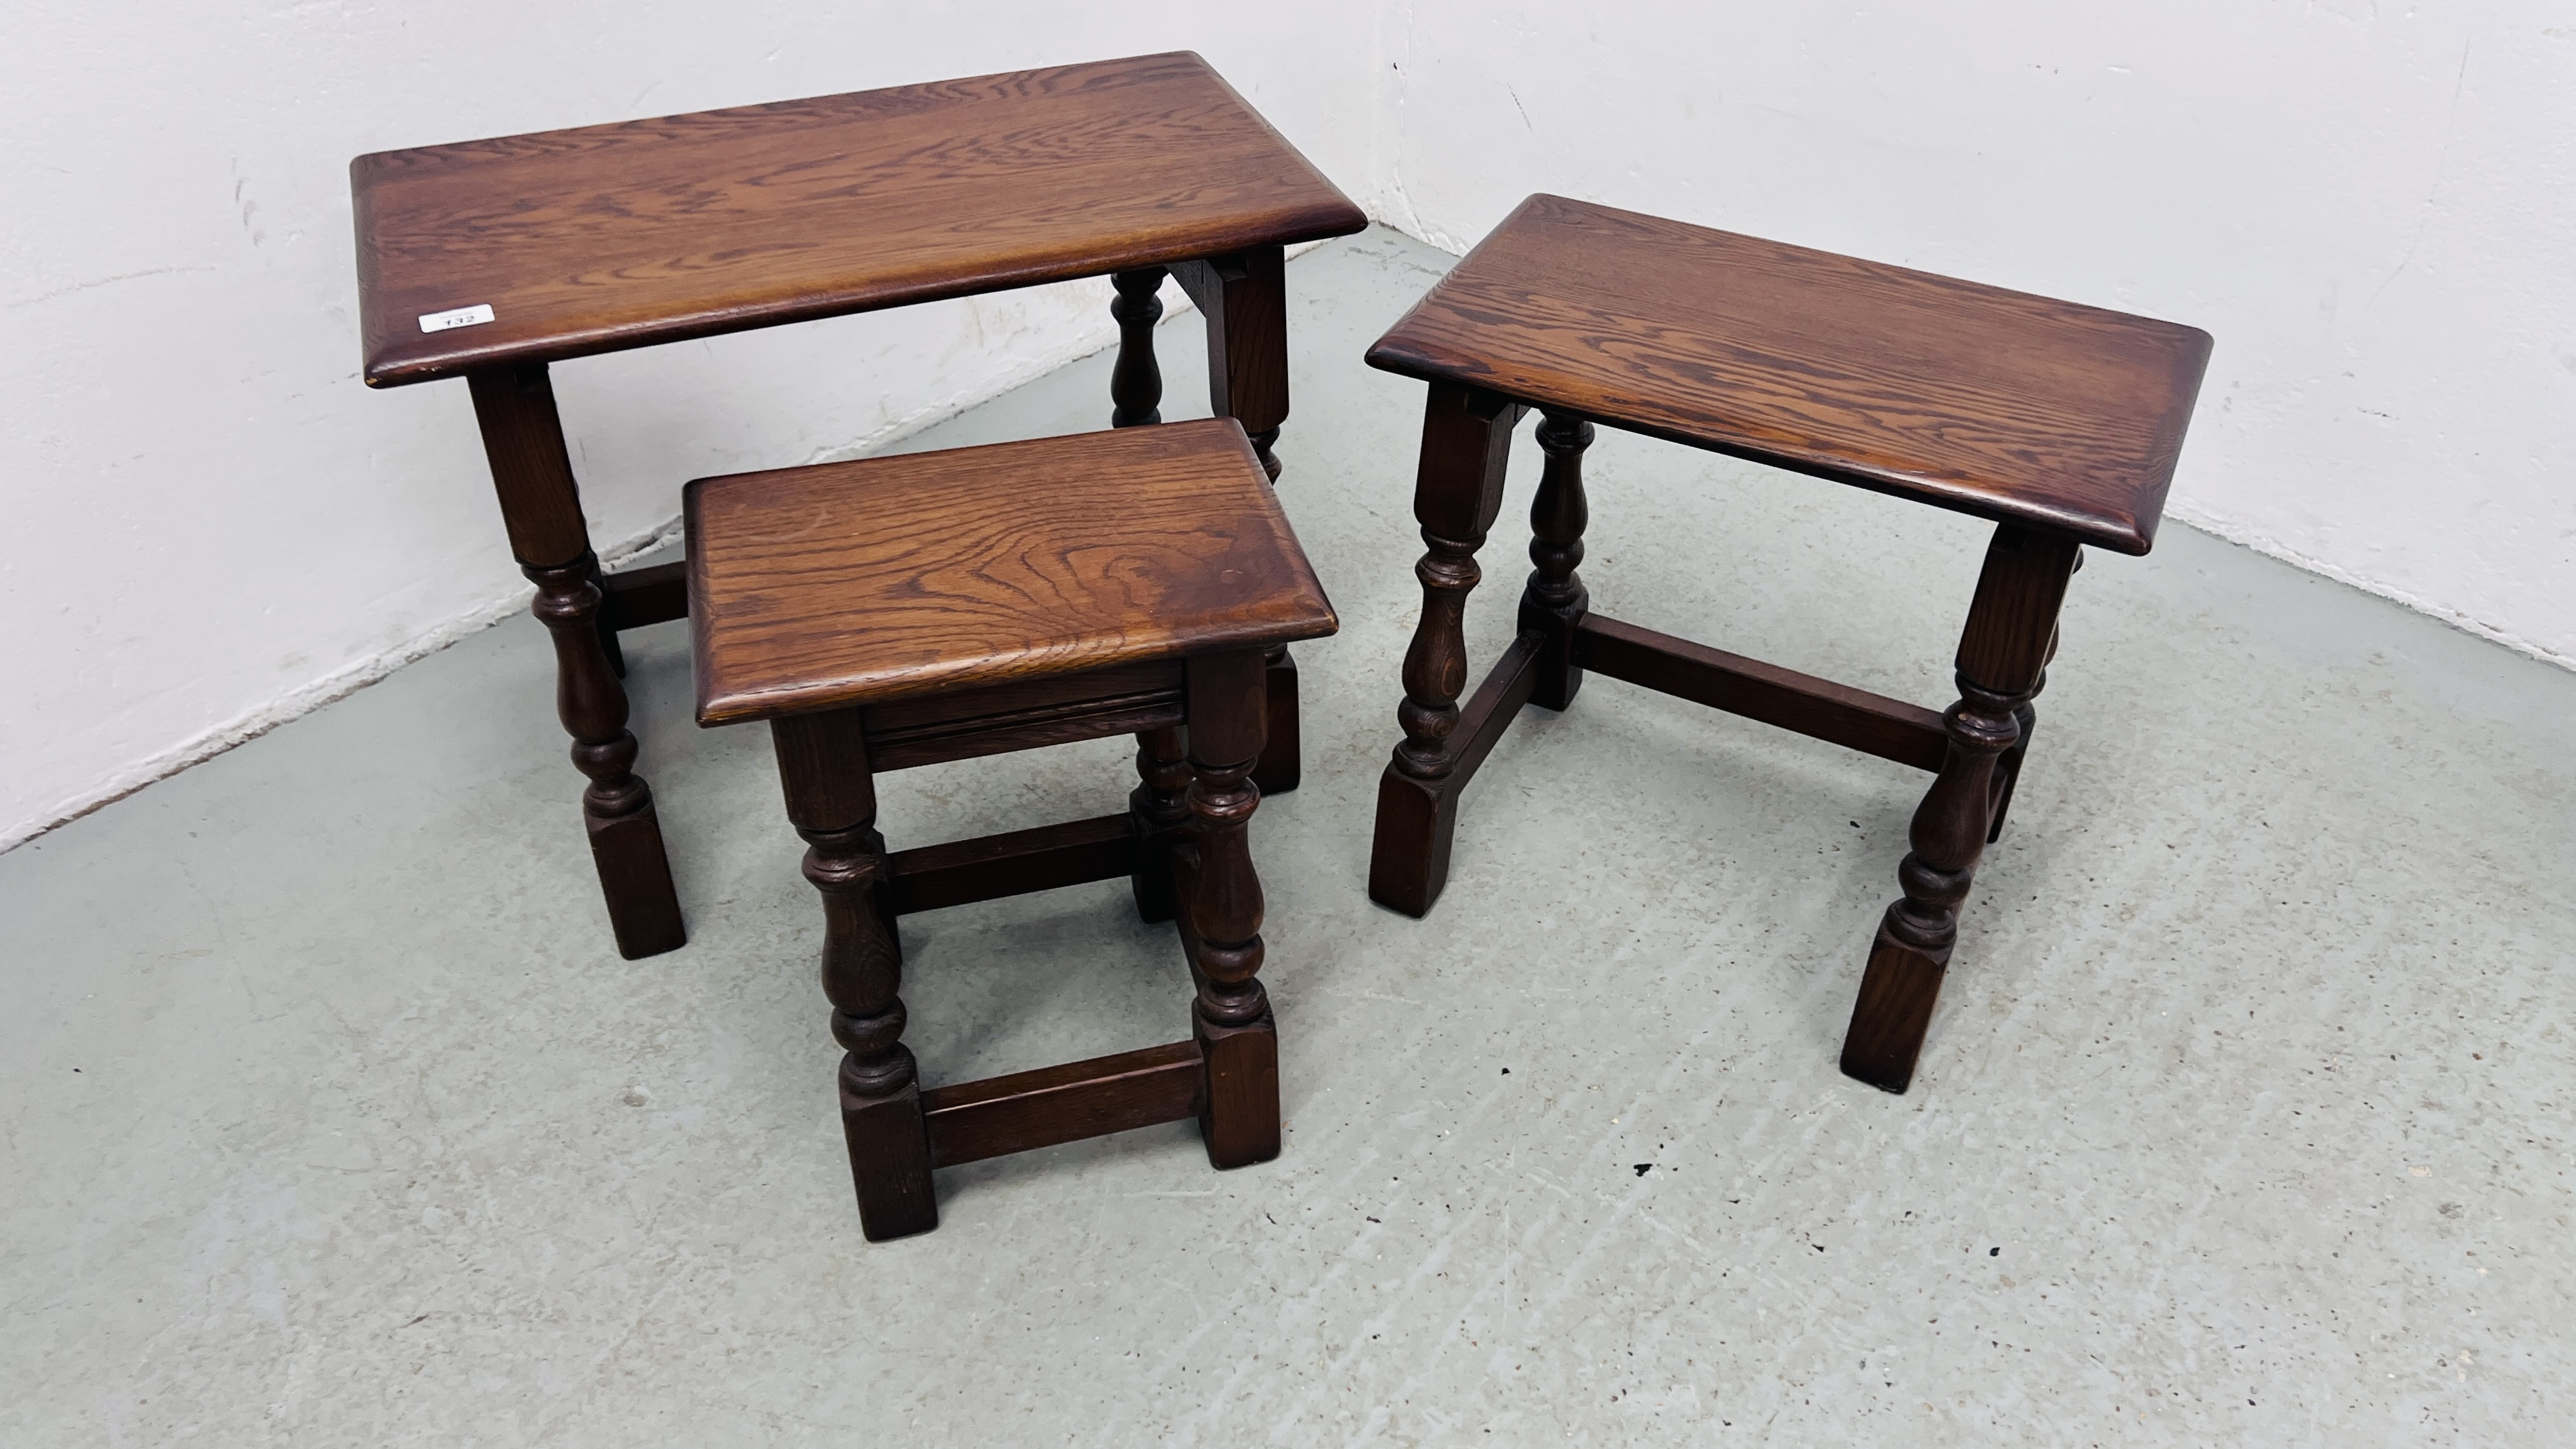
474,316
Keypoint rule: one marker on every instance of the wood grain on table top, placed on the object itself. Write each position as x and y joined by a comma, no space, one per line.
616,236
886,578
1996,403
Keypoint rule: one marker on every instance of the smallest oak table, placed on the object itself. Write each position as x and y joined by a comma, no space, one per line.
2059,422
904,611
491,259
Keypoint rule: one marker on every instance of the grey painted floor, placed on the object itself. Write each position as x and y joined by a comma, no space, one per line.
330,1117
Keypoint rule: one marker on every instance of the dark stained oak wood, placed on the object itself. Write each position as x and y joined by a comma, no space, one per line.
1458,492
1491,709
2060,422
1043,601
540,502
823,768
607,237
2018,408
655,594
1239,1104
2012,628
1158,811
1136,382
1221,908
1466,444
2008,764
1853,718
861,582
531,471
989,867
1244,299
1018,700
533,476
1555,601
1088,719
1281,767
1417,816
1029,1110
1136,392
617,807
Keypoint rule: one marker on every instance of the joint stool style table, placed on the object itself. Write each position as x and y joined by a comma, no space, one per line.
493,259
2060,423
902,611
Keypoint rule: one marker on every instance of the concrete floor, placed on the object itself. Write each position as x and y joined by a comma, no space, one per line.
330,1116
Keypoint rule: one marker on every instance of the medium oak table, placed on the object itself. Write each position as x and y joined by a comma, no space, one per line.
2060,423
491,260
894,612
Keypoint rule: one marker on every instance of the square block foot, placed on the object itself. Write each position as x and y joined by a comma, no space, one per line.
1239,1115
1894,1010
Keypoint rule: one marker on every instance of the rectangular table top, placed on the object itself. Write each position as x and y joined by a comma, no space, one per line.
886,578
607,237
1996,403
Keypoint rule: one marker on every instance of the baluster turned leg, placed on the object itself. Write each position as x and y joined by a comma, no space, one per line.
831,799
1136,382
1556,600
2010,628
1160,807
1999,791
1244,299
2008,765
1159,804
523,438
1466,442
1239,1115
608,644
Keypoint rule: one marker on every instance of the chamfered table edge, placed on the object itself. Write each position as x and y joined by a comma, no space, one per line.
2120,533
719,707
746,706
1320,224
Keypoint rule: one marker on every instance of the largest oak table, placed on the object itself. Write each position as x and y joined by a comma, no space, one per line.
491,260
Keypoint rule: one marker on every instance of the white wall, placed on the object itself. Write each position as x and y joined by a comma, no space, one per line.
211,525
2371,205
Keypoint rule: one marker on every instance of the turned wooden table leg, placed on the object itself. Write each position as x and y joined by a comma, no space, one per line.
523,438
1136,382
1159,804
1244,299
1239,1111
831,799
608,644
1556,600
1160,807
2008,765
1466,443
2007,773
2010,628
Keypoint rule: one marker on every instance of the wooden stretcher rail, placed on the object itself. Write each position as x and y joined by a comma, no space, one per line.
1031,729
989,867
1491,709
637,597
1028,1110
1837,713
